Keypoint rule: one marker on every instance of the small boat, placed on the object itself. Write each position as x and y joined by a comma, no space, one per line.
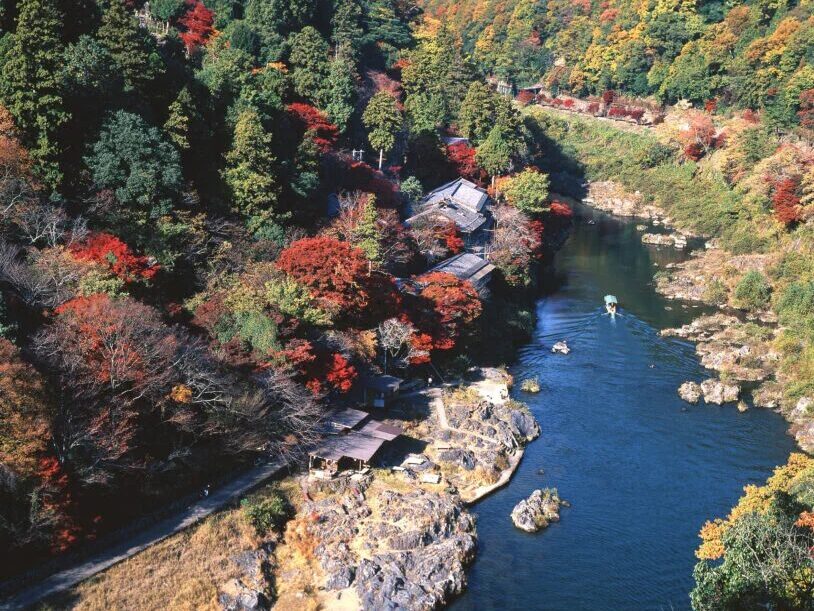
610,304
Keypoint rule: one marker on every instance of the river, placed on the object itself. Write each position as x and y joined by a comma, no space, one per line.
642,469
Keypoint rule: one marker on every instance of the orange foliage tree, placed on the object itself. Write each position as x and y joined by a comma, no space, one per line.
786,201
332,270
443,308
110,252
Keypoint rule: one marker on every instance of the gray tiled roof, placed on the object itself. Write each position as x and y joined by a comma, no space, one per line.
460,191
466,219
467,266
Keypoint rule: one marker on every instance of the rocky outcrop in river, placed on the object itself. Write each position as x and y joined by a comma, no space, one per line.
537,511
690,392
676,240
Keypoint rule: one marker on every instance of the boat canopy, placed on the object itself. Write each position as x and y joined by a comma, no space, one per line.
611,300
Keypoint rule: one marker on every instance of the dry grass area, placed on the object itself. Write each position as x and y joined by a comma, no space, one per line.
181,573
297,571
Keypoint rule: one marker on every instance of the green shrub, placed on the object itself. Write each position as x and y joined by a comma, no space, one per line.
716,293
267,513
753,291
796,303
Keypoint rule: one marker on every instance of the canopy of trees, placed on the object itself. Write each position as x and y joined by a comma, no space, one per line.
750,55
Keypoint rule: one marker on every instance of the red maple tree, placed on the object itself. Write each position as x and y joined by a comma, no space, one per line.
333,271
197,25
317,367
315,122
786,201
452,238
117,344
462,157
443,308
698,137
110,252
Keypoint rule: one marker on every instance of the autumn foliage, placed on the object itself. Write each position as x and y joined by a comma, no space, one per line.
320,369
462,157
786,201
452,238
197,26
698,137
333,271
442,310
110,252
313,121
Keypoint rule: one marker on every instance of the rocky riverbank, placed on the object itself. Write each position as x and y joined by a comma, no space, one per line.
613,198
400,536
740,346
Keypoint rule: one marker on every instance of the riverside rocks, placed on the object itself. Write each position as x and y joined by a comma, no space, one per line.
690,392
676,240
718,392
537,511
694,278
712,390
401,537
742,351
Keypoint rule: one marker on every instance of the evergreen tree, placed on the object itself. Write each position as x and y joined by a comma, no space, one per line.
438,76
366,233
130,46
346,25
309,57
30,84
477,115
264,24
251,171
338,99
133,160
383,121
179,119
495,153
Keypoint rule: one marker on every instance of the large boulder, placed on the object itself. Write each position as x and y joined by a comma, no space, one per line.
236,596
537,511
719,392
458,456
690,392
524,425
665,239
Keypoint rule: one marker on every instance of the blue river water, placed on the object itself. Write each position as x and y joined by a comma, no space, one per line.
642,469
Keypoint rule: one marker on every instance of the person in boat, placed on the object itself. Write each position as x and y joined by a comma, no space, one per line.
610,304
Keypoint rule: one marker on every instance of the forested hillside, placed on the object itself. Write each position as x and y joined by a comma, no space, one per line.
753,54
174,300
